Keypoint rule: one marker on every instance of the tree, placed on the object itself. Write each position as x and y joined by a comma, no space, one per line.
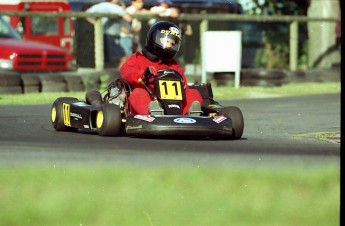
322,47
275,36
275,7
318,40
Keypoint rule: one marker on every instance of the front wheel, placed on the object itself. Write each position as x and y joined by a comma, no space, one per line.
57,115
108,120
237,121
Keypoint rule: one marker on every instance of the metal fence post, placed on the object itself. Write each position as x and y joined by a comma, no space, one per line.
293,45
203,28
99,52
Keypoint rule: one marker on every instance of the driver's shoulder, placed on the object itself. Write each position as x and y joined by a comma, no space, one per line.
176,67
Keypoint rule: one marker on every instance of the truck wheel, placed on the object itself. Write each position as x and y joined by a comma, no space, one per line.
237,121
57,114
108,120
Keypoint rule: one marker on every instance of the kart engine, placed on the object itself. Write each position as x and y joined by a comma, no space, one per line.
117,96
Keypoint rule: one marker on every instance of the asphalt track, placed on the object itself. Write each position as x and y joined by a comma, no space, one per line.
278,132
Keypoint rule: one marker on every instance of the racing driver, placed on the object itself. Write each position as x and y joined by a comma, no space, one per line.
162,45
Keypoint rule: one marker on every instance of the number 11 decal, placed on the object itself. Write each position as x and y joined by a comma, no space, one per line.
170,90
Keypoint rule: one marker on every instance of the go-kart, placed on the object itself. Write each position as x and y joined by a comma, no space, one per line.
111,115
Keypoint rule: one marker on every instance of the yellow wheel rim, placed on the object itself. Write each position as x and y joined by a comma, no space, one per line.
99,119
53,114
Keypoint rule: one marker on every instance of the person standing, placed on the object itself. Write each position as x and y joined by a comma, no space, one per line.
137,7
164,8
113,51
338,32
126,40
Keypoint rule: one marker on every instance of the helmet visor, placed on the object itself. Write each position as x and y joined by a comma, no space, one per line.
168,39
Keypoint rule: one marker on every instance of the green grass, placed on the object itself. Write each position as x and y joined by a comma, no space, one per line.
168,196
220,93
37,98
291,89
119,195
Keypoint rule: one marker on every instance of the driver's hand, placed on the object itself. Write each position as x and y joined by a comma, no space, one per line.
152,70
150,73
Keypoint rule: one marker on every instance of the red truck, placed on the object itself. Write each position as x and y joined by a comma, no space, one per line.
57,31
17,54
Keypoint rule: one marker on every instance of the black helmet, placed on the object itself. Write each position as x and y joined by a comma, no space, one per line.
163,40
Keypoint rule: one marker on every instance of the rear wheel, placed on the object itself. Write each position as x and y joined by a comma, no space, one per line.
57,116
108,120
237,120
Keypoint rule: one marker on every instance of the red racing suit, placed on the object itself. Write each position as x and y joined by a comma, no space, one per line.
133,70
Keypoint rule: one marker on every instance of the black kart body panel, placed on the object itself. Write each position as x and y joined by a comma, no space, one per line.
111,115
81,115
178,126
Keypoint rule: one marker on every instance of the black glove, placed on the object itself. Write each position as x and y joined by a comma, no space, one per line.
149,74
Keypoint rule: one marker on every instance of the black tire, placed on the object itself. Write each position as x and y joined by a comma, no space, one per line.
261,82
237,121
222,78
74,83
93,97
54,87
11,73
73,79
51,78
57,117
31,89
74,87
30,79
91,82
10,79
263,77
53,83
108,120
31,83
11,89
262,73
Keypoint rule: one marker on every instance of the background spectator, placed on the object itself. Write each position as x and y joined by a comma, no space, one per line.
164,9
338,32
114,53
126,40
136,7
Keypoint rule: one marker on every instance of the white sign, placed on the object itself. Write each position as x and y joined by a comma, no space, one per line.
222,52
